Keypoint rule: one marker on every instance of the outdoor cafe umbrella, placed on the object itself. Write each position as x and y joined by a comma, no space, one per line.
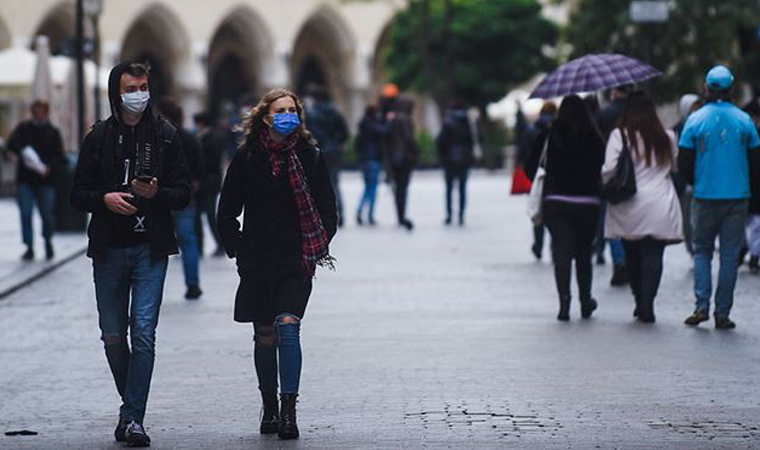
593,73
42,84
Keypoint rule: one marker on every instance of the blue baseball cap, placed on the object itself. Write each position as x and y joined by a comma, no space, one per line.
719,77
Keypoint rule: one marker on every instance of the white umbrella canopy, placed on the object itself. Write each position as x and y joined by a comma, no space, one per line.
42,83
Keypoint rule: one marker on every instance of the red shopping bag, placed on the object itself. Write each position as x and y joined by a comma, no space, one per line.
520,182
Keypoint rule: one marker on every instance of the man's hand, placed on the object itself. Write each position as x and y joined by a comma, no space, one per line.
144,189
117,202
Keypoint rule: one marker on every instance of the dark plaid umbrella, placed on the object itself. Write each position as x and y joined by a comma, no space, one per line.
593,73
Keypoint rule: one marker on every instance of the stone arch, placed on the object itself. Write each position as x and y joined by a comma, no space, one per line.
5,35
378,67
59,26
240,60
157,36
325,52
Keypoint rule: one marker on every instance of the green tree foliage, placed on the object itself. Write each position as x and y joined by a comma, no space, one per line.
473,50
699,34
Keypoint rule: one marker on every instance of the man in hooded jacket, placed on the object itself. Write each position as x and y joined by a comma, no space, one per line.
130,175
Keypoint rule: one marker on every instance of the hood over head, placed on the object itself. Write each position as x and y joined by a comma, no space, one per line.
114,97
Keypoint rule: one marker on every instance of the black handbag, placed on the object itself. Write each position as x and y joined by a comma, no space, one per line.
622,185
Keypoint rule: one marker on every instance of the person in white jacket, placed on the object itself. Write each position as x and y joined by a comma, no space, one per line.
652,218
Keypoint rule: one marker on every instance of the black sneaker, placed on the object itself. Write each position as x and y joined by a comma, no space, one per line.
587,308
697,317
724,323
120,431
193,292
136,435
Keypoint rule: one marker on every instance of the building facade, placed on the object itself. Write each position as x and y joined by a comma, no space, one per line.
210,54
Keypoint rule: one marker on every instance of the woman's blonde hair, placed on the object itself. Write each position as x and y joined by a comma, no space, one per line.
254,120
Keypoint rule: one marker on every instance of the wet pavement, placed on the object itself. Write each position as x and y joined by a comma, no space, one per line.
445,337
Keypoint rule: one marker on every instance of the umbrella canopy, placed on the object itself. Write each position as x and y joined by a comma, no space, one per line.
42,84
593,73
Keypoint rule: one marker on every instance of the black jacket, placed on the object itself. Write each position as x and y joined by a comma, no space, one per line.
455,143
573,163
271,233
46,141
96,175
370,140
212,149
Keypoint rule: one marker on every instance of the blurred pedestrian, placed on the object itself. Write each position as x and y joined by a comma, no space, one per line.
184,220
651,219
39,149
130,175
402,155
534,146
329,128
456,153
720,156
687,105
753,216
608,119
279,181
212,152
573,155
370,141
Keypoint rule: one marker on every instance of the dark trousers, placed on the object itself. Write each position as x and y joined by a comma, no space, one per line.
538,238
44,197
456,174
401,177
643,259
573,227
206,206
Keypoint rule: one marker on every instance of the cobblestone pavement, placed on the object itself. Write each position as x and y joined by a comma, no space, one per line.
440,338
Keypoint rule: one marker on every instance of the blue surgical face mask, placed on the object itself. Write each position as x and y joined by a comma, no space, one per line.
285,123
135,102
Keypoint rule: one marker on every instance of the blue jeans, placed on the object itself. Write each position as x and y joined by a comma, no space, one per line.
187,238
44,196
123,270
371,171
285,338
724,219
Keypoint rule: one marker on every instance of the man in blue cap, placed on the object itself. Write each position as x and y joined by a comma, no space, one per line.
720,156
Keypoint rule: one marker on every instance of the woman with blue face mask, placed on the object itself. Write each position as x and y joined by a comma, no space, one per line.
279,180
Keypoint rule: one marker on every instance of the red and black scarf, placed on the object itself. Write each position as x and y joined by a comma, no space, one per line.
315,243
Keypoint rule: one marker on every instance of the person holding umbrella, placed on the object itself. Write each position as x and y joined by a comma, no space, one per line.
573,153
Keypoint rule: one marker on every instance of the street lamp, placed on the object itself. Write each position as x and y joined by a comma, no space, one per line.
93,9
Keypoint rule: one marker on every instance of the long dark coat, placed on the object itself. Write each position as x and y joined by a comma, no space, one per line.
268,248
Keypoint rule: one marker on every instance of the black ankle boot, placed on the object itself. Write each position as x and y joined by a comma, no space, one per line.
288,427
270,419
646,311
564,309
588,307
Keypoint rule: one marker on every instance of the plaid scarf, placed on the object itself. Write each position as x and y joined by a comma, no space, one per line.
313,235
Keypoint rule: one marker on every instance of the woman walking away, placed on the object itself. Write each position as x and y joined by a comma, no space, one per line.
651,219
373,129
280,182
573,160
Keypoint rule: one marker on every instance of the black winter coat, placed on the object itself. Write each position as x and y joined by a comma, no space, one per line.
269,244
46,141
455,142
573,163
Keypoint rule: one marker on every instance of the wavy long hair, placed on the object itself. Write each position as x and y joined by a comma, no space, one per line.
254,120
640,118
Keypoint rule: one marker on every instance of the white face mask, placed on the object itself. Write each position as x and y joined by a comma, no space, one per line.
135,102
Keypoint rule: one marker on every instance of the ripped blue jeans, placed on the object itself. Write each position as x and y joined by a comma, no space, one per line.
283,337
